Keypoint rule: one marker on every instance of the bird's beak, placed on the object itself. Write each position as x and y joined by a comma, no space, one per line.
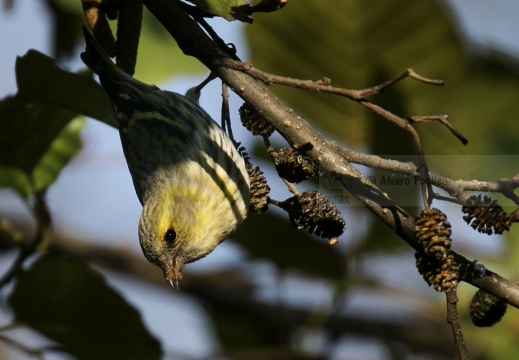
172,268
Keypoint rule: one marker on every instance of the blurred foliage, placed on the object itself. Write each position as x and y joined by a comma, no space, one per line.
64,27
67,301
359,44
41,80
289,248
366,43
39,133
388,140
255,329
487,107
355,43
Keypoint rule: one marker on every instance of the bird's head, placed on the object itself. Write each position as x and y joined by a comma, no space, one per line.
174,231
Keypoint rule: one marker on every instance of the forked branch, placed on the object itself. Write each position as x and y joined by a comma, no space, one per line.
302,136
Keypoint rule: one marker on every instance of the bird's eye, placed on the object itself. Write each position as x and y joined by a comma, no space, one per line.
170,235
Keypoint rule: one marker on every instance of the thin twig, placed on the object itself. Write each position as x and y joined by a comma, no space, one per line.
455,188
424,79
270,149
226,115
444,119
512,196
291,187
423,168
447,199
454,321
405,125
199,16
273,154
408,73
323,86
194,92
355,95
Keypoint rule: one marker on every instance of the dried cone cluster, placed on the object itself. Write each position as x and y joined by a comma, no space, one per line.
312,211
259,189
295,167
309,210
486,309
486,216
254,121
435,262
442,274
433,232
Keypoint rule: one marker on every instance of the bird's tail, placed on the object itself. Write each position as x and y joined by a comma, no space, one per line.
97,59
110,74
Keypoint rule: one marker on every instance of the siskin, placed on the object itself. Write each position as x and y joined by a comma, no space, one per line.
189,177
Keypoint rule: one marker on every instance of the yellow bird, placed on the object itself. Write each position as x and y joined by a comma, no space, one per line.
189,177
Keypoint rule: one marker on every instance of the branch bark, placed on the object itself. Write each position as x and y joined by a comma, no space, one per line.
454,321
302,136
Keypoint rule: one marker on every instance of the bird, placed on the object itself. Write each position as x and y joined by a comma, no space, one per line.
188,174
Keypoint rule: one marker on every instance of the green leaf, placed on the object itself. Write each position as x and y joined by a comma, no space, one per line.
17,179
72,304
28,130
58,155
33,149
228,9
36,142
41,80
39,135
287,247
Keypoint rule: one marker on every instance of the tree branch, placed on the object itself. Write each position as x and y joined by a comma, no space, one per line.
303,137
355,95
454,321
455,188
